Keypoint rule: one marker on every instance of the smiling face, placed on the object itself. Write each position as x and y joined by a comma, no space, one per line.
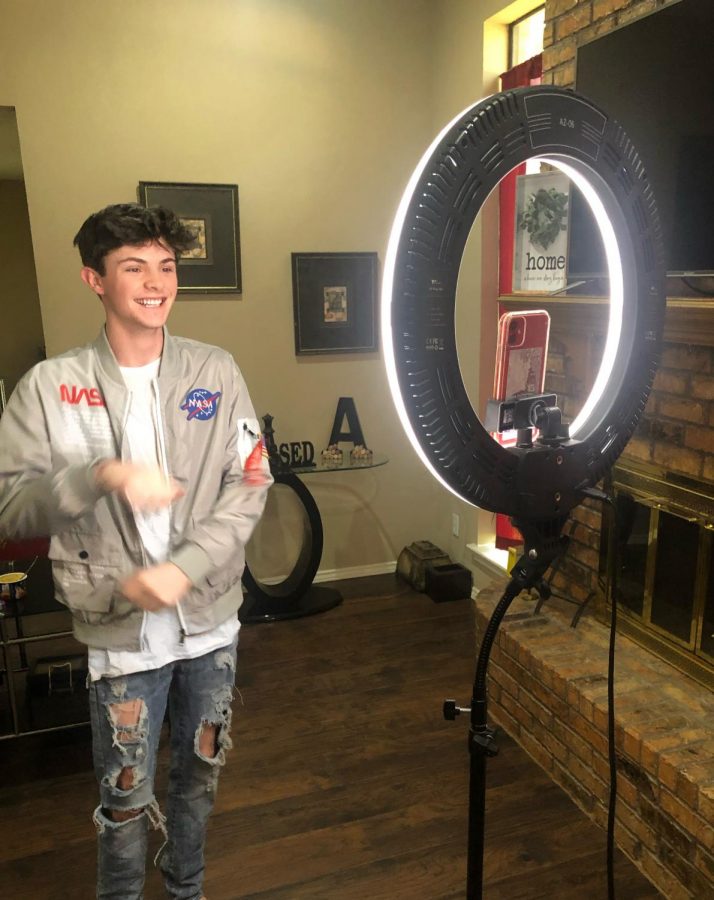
137,290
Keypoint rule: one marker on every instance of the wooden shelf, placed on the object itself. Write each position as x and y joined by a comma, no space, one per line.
688,320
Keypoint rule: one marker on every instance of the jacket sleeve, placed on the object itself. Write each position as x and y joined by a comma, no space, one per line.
37,499
212,543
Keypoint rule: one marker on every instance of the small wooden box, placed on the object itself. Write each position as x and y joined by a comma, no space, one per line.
448,582
415,559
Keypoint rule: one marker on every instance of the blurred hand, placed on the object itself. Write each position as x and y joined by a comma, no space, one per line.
155,587
141,487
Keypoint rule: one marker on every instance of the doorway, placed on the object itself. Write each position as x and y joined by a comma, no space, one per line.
22,340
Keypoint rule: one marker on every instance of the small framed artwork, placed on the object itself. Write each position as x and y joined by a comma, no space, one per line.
211,210
334,302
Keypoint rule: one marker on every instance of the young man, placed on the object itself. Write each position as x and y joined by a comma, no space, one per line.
141,456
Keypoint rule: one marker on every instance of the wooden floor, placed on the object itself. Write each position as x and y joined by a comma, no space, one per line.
345,782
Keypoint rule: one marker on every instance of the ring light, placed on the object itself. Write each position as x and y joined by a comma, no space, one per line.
537,484
447,190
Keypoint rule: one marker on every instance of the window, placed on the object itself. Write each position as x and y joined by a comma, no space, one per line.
525,37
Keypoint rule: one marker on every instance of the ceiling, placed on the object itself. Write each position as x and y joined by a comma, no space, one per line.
10,160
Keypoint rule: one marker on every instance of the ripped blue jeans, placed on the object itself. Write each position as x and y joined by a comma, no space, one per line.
127,714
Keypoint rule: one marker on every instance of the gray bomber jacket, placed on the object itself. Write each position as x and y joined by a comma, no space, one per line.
66,414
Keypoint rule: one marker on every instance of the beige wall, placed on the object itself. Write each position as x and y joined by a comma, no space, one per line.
318,110
21,338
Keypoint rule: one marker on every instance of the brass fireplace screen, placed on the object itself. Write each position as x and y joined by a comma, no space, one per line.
660,541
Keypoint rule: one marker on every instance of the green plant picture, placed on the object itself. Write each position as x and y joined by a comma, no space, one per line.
540,225
544,216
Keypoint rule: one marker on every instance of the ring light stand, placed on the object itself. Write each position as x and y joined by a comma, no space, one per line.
536,483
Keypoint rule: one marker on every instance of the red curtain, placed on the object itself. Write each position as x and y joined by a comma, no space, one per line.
27,549
528,72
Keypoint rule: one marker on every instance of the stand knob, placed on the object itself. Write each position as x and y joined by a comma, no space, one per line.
483,741
451,710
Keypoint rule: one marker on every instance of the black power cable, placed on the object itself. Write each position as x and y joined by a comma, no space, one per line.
604,498
705,290
612,754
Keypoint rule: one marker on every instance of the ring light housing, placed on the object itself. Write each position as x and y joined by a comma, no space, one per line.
457,173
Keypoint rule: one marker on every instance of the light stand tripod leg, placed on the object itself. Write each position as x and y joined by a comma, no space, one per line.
481,746
543,544
477,799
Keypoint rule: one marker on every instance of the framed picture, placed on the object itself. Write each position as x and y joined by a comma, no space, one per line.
211,210
334,302
541,232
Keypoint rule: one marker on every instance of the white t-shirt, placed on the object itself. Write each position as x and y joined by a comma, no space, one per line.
162,638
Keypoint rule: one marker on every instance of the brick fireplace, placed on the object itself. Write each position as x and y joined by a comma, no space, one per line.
548,689
547,680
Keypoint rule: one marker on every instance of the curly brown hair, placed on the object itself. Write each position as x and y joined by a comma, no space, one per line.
130,224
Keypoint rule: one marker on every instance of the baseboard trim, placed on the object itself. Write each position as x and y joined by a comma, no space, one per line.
383,568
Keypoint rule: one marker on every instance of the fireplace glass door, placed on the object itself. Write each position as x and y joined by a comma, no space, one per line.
675,576
659,557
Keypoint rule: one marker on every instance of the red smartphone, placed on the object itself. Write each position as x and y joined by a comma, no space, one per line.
521,353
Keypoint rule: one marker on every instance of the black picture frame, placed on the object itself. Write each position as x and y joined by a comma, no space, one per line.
214,266
335,302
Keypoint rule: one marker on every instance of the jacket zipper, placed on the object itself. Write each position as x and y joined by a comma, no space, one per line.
143,647
164,460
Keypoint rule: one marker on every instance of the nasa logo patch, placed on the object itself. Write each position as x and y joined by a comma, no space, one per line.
200,404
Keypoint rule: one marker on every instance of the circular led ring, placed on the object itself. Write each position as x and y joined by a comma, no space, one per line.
460,169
